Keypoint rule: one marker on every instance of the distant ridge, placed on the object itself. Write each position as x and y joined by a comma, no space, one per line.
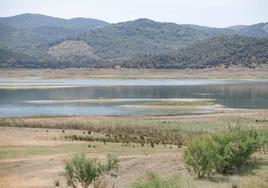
35,40
30,21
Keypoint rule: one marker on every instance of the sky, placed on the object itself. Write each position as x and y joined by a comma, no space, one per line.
214,13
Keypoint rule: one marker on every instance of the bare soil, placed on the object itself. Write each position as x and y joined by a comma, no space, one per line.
42,171
36,155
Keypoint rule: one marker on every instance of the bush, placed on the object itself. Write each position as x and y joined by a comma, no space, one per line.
200,157
154,181
221,153
234,149
81,171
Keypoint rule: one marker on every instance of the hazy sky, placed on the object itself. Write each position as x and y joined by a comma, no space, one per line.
218,13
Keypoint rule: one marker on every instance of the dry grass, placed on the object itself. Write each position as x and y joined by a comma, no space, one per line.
34,149
195,123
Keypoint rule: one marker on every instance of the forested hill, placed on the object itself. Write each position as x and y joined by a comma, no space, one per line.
219,51
36,41
126,39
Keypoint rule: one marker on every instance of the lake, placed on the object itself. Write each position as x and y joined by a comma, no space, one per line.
70,97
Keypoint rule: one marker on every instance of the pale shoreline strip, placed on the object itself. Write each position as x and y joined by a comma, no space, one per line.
105,100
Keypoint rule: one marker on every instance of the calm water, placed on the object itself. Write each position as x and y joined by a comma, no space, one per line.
232,94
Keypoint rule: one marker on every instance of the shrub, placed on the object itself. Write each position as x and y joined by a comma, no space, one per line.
154,181
200,157
234,148
220,153
81,171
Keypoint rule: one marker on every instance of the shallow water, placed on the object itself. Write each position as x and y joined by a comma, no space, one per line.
231,93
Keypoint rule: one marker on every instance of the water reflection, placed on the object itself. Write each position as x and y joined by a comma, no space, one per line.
239,95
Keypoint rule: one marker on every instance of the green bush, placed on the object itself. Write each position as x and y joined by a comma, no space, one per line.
234,148
81,171
200,157
154,181
220,153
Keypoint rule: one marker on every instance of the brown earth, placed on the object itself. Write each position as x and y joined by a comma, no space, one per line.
34,157
42,171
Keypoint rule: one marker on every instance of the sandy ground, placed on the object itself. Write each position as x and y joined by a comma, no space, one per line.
85,73
43,171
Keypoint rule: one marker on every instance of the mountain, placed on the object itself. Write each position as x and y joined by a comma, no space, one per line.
213,31
32,21
33,34
190,45
126,39
219,51
256,30
237,27
34,40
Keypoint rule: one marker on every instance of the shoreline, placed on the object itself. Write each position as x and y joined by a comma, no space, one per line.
228,112
114,100
122,73
15,83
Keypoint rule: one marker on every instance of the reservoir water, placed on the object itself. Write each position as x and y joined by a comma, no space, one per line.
30,99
